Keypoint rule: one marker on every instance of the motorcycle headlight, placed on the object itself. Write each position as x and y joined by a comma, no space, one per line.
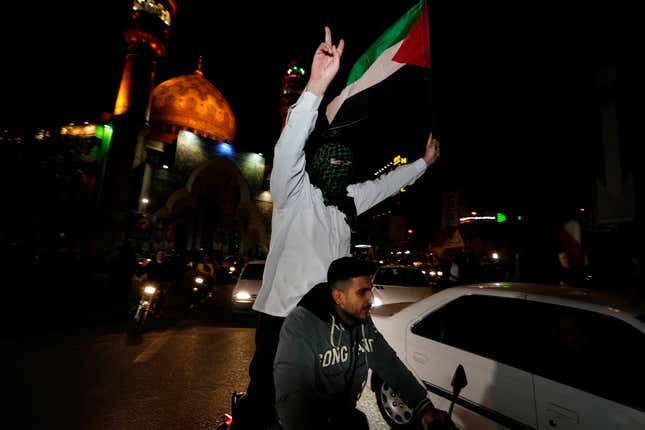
149,289
199,280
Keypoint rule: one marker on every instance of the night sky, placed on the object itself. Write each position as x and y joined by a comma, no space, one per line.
512,82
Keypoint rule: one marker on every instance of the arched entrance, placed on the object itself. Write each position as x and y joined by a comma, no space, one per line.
215,211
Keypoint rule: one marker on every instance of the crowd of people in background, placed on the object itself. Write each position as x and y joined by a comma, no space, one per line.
68,273
69,280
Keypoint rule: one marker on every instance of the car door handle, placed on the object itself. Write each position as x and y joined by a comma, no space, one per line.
419,358
558,413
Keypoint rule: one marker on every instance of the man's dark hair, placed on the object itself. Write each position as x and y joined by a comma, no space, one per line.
346,268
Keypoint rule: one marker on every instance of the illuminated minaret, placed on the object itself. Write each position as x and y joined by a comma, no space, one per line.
147,35
293,83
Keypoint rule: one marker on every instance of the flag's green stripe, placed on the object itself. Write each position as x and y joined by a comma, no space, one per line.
392,35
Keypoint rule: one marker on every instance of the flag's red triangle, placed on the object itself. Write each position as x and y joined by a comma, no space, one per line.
415,48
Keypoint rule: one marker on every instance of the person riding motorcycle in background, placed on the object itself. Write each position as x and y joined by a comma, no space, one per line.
206,269
161,272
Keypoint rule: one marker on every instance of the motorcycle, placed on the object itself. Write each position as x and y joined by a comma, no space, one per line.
200,289
148,302
458,382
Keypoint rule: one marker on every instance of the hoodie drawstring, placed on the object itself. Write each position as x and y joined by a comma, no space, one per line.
331,332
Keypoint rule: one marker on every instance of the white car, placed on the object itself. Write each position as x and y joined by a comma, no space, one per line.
247,287
394,284
535,357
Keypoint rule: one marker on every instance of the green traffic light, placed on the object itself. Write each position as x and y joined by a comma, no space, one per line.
501,217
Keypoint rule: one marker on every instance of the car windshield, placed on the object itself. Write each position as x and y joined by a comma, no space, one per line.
253,271
407,277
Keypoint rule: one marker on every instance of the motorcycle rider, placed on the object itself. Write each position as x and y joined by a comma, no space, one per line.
327,343
206,269
159,271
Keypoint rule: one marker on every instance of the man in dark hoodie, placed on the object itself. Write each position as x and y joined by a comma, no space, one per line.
327,343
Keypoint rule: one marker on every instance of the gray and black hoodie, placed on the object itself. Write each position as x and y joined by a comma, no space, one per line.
321,365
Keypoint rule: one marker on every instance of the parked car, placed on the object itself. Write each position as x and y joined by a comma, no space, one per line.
247,287
535,356
394,283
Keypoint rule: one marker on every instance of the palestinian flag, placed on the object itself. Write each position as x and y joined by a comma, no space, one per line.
406,42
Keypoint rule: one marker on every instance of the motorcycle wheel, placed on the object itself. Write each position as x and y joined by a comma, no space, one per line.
396,413
142,319
136,323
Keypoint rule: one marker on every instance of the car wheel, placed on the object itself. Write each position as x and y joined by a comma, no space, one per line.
394,411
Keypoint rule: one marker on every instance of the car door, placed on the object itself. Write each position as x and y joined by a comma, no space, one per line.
589,370
486,335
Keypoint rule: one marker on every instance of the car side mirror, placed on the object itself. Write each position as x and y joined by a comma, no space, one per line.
459,381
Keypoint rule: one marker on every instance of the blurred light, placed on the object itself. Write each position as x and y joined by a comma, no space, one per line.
501,217
145,201
582,209
264,196
465,219
164,166
473,213
223,149
495,256
242,295
149,289
410,231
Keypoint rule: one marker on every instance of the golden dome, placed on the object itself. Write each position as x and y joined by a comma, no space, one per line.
191,102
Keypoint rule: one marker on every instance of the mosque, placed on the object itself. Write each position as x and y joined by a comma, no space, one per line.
172,177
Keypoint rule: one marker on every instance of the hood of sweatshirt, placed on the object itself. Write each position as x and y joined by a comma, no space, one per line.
319,301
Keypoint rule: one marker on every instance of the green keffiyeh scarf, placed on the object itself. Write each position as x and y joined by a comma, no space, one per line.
333,179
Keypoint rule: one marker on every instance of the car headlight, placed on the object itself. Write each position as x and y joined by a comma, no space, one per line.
231,269
377,302
199,280
149,289
433,273
242,295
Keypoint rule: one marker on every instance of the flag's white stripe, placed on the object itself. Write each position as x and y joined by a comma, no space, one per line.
377,72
